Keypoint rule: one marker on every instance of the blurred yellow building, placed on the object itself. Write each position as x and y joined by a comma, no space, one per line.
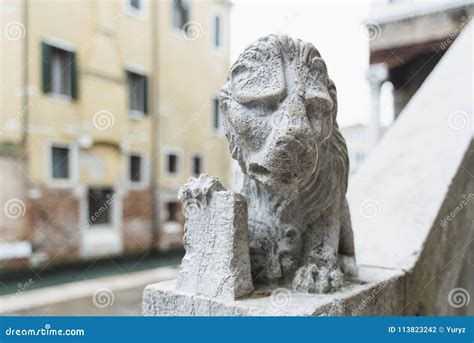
107,107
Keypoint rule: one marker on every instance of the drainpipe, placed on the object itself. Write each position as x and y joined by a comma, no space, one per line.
155,221
23,148
26,99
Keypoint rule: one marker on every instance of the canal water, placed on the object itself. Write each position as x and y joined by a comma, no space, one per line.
126,302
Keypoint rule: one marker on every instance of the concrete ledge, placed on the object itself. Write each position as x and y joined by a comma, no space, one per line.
378,291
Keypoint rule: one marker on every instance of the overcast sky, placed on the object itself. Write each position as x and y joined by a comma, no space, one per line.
334,27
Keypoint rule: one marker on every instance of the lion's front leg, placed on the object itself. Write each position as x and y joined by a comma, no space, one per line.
319,271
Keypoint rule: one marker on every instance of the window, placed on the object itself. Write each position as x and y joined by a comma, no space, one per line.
216,115
137,93
60,159
196,165
135,4
172,209
59,71
136,168
135,8
172,163
180,13
217,32
100,205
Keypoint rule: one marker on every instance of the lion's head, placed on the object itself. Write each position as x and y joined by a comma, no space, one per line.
278,106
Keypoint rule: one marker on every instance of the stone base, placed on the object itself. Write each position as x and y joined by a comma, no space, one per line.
376,292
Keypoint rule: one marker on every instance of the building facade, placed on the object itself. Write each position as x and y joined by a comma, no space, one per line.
106,109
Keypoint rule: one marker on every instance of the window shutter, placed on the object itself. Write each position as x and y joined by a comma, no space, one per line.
145,94
46,58
73,71
128,88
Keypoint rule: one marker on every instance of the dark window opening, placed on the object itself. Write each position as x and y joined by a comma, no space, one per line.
100,205
60,162
180,13
216,116
217,31
135,168
172,163
59,71
137,92
172,209
135,4
196,165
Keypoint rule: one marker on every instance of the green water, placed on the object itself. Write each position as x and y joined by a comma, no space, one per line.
34,278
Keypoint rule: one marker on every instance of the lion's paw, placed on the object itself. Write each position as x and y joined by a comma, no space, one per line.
312,278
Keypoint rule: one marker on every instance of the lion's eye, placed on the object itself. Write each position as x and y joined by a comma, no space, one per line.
254,86
318,100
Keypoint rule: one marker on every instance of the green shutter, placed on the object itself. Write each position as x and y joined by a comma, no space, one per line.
46,58
127,85
145,94
73,71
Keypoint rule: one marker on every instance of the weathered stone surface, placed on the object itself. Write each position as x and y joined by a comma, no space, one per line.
217,262
279,113
376,292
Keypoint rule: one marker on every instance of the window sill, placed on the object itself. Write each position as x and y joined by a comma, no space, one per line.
136,115
218,133
176,174
102,226
218,50
137,185
67,99
133,12
60,183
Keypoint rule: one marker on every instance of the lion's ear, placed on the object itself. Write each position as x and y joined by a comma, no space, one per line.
329,118
327,124
333,95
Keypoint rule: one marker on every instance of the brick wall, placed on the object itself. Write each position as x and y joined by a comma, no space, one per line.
54,218
137,220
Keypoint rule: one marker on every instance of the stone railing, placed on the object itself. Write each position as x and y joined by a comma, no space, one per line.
412,208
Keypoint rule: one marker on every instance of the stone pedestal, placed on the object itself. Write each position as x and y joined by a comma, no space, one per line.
377,292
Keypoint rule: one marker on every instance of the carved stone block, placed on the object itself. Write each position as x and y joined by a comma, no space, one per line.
217,262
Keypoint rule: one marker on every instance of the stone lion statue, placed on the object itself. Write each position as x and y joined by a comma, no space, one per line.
279,114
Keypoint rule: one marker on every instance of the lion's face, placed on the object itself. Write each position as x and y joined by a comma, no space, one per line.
277,110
